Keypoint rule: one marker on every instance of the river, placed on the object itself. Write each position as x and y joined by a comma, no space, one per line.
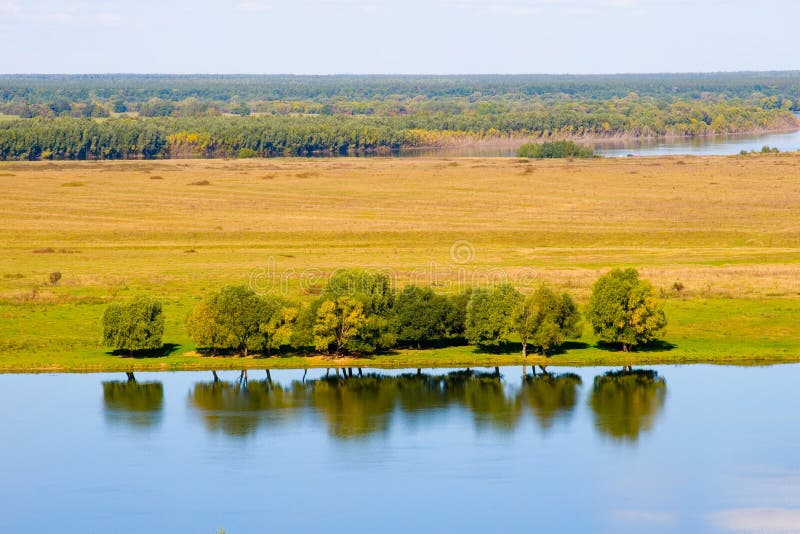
662,449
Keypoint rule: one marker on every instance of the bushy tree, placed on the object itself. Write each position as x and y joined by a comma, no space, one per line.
490,315
376,296
276,323
624,309
338,324
545,320
204,328
422,315
236,318
134,326
456,320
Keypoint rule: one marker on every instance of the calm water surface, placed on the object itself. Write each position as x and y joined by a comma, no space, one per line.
663,449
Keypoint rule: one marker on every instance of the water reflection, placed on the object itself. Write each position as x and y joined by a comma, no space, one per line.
551,397
355,405
138,404
238,408
626,403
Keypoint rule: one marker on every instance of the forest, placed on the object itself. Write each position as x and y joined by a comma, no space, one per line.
133,117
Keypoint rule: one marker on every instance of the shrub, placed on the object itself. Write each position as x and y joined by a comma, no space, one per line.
554,149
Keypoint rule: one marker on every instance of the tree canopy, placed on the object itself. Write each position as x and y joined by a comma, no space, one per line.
626,310
137,325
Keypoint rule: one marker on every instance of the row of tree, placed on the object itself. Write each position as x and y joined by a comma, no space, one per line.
360,313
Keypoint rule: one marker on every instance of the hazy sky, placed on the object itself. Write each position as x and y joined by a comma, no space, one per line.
408,36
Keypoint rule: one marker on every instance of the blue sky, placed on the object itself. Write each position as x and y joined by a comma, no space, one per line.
411,36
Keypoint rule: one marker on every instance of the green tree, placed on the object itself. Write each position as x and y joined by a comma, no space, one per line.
626,310
456,320
230,319
134,326
546,320
204,329
490,315
422,315
338,323
376,296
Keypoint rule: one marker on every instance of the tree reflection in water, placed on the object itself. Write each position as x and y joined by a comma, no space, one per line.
626,403
550,397
238,408
138,404
360,405
355,405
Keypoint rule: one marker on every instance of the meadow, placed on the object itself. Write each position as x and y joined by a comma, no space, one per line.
719,236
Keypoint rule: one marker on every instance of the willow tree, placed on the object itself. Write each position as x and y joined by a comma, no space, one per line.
134,326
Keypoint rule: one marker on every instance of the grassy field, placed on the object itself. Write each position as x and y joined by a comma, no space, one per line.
725,229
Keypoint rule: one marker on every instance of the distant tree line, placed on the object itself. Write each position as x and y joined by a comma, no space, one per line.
130,116
136,89
360,313
72,138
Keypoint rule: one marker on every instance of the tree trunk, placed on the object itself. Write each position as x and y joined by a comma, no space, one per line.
216,378
496,371
269,377
131,378
524,349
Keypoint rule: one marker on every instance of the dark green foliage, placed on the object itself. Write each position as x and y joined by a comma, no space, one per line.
456,320
134,326
424,316
625,310
554,149
490,315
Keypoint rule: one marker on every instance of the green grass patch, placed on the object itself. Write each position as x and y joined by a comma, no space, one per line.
711,331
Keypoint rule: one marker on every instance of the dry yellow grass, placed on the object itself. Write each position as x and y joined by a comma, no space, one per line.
721,226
